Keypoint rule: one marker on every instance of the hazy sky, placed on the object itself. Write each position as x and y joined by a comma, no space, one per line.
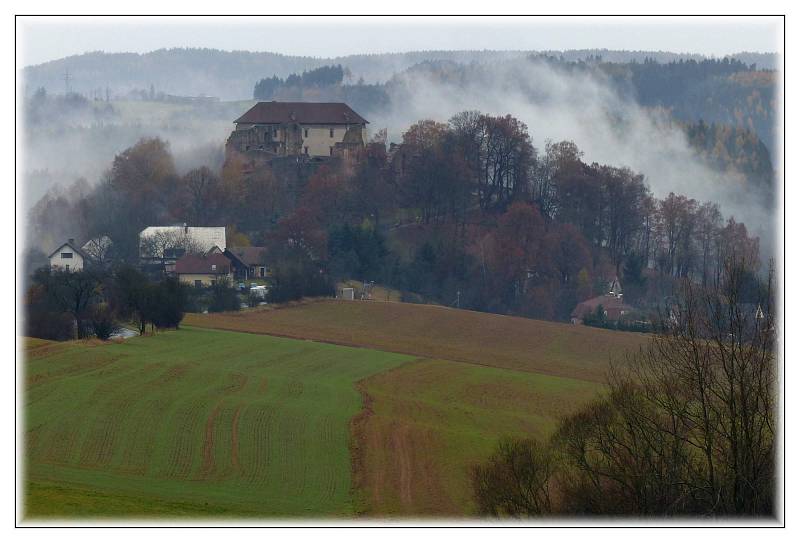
44,39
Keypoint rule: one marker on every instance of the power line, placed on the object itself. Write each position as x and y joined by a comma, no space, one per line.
67,79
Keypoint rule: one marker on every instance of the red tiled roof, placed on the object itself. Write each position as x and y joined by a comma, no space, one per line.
203,264
301,112
611,304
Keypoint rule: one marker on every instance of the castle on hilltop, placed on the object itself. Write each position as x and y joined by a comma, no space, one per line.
310,129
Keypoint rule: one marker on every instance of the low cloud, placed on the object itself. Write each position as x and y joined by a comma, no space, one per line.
604,121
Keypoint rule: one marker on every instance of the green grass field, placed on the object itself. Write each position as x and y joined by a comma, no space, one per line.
193,422
431,420
207,422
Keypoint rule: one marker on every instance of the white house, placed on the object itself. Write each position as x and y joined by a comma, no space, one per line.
172,242
68,257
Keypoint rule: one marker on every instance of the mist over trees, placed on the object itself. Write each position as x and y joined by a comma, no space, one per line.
230,74
471,208
468,210
323,84
66,139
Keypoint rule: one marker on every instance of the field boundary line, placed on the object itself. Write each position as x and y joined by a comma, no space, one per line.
419,355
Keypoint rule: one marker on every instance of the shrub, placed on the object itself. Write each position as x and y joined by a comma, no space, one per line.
223,298
170,299
102,321
293,280
515,481
43,319
49,325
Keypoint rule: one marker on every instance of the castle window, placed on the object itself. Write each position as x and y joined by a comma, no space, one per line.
305,133
305,150
331,132
331,151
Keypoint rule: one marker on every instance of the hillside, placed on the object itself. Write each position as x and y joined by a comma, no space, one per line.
230,75
430,331
193,422
200,422
428,421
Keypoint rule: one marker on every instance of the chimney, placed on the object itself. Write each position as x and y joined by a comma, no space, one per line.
71,241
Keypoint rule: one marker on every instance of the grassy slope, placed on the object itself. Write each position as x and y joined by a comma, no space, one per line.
438,332
193,422
431,420
428,420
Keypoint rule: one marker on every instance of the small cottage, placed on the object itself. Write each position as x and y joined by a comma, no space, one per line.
248,262
68,257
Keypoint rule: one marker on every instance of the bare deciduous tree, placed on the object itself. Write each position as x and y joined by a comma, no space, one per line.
688,424
516,480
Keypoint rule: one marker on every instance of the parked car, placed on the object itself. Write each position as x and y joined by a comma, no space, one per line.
259,291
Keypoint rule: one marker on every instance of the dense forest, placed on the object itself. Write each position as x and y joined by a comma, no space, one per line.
326,83
722,92
466,212
725,145
464,209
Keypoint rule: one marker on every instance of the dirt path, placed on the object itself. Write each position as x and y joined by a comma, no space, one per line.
235,438
208,444
394,470
400,443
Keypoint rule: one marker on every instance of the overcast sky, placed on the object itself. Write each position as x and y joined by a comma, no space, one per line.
44,39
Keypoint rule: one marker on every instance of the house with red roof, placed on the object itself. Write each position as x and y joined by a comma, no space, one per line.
613,307
203,270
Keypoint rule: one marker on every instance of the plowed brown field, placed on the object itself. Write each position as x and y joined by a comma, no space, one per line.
439,332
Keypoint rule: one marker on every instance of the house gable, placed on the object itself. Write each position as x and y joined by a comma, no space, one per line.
68,256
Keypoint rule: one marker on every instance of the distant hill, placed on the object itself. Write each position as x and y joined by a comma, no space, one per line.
231,75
